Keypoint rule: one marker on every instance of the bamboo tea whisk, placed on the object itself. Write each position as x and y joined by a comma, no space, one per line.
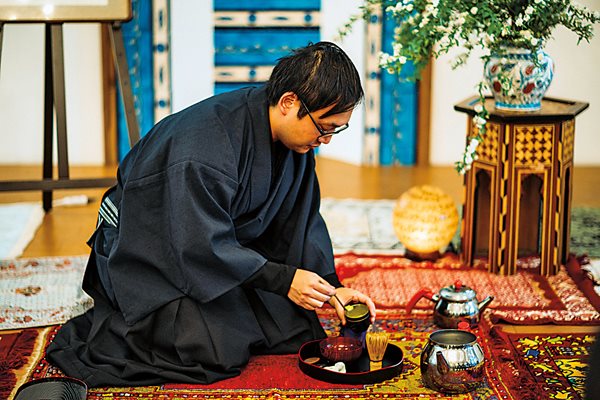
377,341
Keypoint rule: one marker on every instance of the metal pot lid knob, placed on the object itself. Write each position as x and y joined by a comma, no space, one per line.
457,292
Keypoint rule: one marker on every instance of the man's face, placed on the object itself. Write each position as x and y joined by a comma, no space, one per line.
301,135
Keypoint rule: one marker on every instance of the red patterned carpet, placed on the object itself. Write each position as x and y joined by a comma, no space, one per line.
551,366
518,366
523,298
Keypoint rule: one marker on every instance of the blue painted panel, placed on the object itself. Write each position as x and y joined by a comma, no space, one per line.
266,5
137,35
259,46
398,111
228,87
398,139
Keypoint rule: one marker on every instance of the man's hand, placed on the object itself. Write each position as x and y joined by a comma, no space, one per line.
348,295
309,290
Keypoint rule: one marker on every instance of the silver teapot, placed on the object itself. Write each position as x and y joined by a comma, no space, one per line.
452,362
454,304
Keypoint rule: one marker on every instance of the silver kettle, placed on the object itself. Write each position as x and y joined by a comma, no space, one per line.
452,361
453,304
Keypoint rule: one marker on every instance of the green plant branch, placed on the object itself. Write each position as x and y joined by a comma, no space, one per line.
427,29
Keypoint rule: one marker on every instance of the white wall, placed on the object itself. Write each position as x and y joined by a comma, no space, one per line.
22,94
576,78
192,52
347,147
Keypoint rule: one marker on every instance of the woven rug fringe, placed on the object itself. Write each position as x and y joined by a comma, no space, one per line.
15,358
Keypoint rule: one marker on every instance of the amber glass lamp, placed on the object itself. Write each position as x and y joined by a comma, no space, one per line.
425,220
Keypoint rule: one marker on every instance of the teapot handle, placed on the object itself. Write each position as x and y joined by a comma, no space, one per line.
423,292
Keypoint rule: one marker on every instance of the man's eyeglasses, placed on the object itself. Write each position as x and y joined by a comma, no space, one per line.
323,133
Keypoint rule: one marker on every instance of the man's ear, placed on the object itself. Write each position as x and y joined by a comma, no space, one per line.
287,102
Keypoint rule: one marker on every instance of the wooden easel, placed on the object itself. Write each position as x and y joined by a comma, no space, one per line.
54,101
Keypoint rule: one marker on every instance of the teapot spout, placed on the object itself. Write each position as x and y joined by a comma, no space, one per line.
484,303
442,365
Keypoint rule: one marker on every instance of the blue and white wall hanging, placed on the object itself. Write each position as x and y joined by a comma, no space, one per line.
251,35
390,103
146,39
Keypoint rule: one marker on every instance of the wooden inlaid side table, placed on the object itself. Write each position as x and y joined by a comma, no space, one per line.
517,195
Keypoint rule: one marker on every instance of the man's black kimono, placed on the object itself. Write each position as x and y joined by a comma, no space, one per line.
195,252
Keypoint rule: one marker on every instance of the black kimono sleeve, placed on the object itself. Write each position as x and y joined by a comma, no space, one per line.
177,239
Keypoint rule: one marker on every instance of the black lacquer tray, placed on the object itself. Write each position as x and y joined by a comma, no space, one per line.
54,388
357,371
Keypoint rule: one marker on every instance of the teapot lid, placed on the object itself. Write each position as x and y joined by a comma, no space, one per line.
457,292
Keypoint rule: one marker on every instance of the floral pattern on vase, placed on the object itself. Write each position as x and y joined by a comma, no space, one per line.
519,78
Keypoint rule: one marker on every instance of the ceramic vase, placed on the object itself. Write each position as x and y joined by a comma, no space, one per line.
519,78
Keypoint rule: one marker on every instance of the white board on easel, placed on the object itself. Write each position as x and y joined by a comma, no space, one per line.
64,10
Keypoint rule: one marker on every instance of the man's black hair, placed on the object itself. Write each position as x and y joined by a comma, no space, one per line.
320,75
